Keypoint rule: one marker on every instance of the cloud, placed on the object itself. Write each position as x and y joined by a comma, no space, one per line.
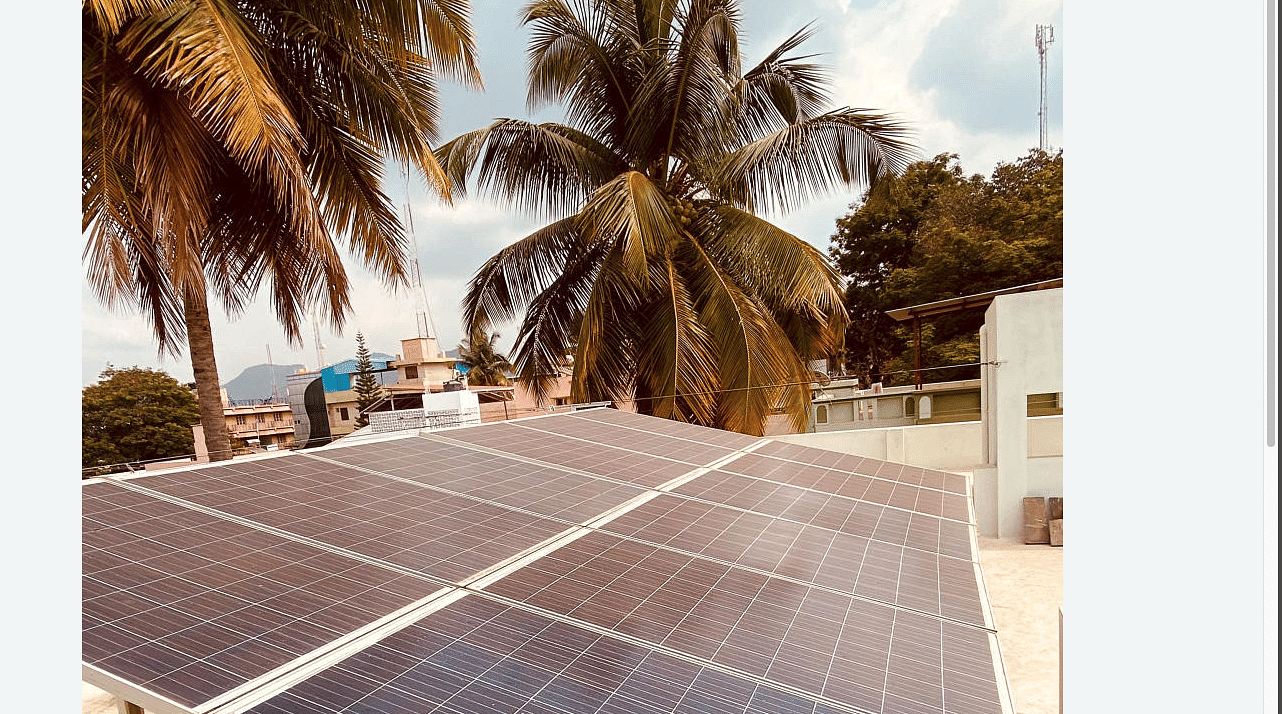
963,75
980,65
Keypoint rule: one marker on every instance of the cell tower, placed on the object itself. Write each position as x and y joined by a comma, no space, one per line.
422,316
1045,36
320,346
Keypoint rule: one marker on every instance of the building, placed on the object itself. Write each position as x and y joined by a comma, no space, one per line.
1016,449
252,425
307,406
422,366
339,382
842,405
520,399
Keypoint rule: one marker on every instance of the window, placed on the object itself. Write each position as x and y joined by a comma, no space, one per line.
262,418
342,413
1048,404
910,407
411,371
859,407
276,416
821,414
240,418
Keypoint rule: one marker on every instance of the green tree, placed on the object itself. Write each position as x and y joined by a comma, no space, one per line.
877,238
933,235
684,299
134,415
225,145
486,366
367,388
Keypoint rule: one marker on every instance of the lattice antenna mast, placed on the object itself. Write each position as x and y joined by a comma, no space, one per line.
1045,36
320,346
422,316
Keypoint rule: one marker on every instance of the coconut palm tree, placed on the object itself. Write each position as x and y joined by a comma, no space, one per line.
656,268
230,143
485,364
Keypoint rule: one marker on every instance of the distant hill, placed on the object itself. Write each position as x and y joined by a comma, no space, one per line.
256,382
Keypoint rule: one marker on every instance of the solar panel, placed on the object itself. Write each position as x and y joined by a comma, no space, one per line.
188,605
863,483
437,534
499,658
588,561
862,564
595,427
557,450
787,632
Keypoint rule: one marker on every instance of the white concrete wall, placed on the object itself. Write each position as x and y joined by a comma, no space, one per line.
1045,436
947,447
1024,334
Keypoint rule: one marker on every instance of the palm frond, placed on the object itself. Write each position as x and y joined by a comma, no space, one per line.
604,357
517,274
755,356
774,263
546,168
678,107
632,212
780,90
547,333
676,357
786,168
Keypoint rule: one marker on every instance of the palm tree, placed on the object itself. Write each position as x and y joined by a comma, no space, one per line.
672,291
225,144
485,364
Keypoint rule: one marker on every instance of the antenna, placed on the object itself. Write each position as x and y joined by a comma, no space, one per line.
320,347
272,367
422,316
1045,36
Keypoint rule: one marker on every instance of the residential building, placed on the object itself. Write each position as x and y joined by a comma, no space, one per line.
252,425
842,405
422,365
338,380
1016,449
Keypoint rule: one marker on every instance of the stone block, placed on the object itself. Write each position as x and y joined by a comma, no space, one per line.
1055,507
1036,529
1057,531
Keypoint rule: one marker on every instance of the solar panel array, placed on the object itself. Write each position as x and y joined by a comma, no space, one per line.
595,561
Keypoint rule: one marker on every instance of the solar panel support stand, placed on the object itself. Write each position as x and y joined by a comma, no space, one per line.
124,707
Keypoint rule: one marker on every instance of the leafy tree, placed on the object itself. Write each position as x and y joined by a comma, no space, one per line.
933,234
872,242
228,144
485,364
367,388
684,300
134,415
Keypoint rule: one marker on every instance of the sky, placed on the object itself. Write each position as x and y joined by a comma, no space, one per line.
963,76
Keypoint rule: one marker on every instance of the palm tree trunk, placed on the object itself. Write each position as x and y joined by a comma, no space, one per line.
200,343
